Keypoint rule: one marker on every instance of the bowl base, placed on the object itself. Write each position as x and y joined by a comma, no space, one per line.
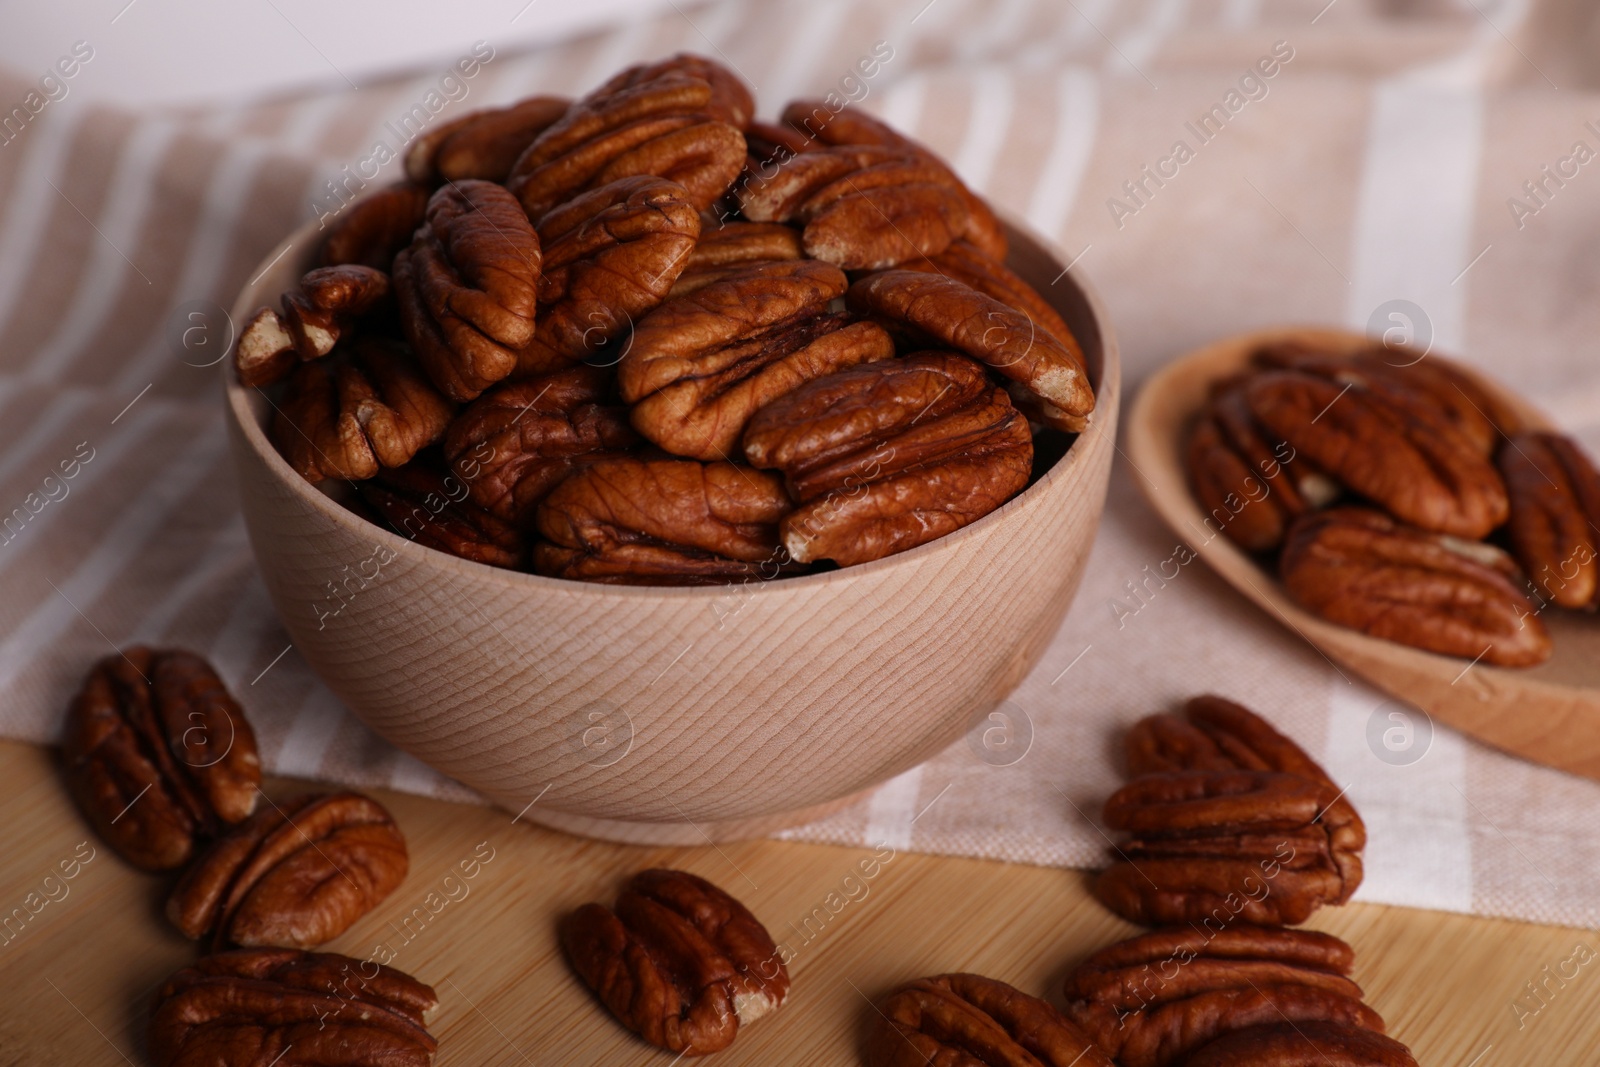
686,833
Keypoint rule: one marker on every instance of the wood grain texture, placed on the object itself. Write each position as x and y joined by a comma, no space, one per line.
1549,714
80,972
664,715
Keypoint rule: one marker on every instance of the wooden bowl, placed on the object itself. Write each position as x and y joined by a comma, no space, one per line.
1549,714
676,715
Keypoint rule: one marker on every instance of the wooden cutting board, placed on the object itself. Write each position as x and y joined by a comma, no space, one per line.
78,975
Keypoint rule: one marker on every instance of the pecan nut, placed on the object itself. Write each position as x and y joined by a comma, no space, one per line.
974,1021
952,314
468,287
890,455
660,126
677,961
610,255
1555,516
1308,1044
375,409
730,99
314,317
513,444
1418,468
432,508
699,366
1152,1000
733,246
373,229
481,144
1359,568
662,522
158,755
294,875
253,1005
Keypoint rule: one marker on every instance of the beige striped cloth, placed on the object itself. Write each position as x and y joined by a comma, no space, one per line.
1338,156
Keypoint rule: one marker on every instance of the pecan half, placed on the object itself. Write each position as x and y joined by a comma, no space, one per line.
294,875
481,144
314,317
699,366
1555,516
1418,468
1359,568
432,508
662,522
660,126
252,1006
1306,1044
726,249
975,1022
677,961
376,227
952,314
375,409
610,255
158,755
852,126
890,455
513,444
1152,1000
468,286
730,99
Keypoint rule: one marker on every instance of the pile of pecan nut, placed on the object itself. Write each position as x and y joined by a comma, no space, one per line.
163,763
1402,499
641,337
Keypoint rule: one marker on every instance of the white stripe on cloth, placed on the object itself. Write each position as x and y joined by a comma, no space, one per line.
227,548
1077,122
997,32
891,810
246,632
818,32
24,451
315,726
988,122
30,202
1138,46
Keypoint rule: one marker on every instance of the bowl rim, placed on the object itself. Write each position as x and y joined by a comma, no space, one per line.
239,400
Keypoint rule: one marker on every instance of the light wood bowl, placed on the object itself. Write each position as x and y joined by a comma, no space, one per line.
1549,714
674,716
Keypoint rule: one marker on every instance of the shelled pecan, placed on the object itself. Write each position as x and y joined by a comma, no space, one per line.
1155,999
730,99
255,1006
728,248
294,875
699,366
890,455
432,508
373,229
468,285
662,522
974,1021
346,418
481,144
610,255
1359,568
513,444
677,961
324,307
158,755
1306,1044
1555,516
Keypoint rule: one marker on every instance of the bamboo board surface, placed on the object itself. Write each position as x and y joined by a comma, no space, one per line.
78,977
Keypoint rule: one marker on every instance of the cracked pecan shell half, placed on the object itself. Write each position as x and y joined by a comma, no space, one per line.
699,366
636,521
482,144
1555,516
730,247
951,314
1416,467
158,755
468,287
294,875
972,1021
433,507
513,444
677,961
253,1006
1154,999
610,255
371,231
660,126
890,455
375,409
314,317
1306,1044
1359,568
